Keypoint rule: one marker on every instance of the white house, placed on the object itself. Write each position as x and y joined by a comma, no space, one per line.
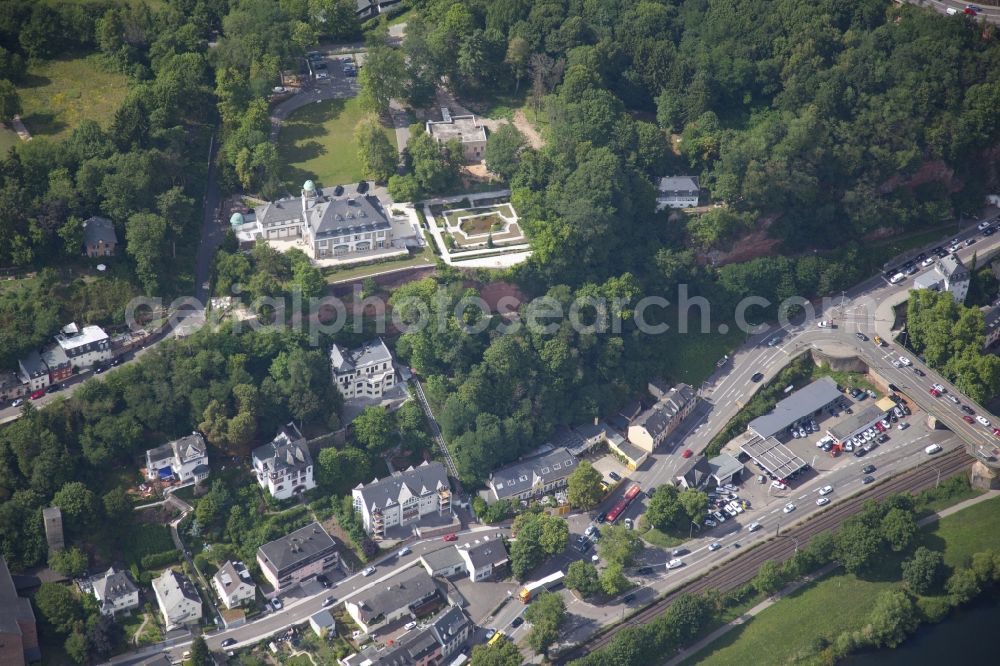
284,467
115,592
677,192
185,459
33,371
948,274
179,602
233,584
483,558
452,629
330,222
365,372
532,476
85,347
322,623
403,498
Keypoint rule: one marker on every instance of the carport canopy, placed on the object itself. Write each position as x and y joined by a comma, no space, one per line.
774,457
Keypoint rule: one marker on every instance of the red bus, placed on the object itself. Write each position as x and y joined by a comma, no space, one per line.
622,504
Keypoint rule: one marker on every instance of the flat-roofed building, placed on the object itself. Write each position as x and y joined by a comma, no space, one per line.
468,131
805,403
304,553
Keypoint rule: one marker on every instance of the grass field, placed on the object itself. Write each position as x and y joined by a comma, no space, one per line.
839,602
317,142
8,139
692,356
58,94
423,258
146,539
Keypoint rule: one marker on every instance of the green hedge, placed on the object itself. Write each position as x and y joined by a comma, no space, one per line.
160,560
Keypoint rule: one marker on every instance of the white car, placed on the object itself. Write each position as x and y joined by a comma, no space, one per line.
675,563
404,551
730,510
896,364
410,625
927,262
714,546
779,485
825,323
904,360
736,506
983,226
788,508
628,523
985,421
822,501
903,425
897,278
826,490
368,572
939,388
753,527
710,523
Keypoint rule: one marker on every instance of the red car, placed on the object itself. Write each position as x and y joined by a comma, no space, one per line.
687,453
968,419
934,392
38,394
451,537
996,431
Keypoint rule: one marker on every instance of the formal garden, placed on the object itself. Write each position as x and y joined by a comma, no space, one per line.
492,225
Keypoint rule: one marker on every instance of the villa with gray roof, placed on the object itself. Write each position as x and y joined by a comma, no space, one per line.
233,584
677,192
651,427
184,459
948,274
179,602
532,477
452,629
402,595
284,466
483,558
115,592
403,498
33,371
99,237
330,222
304,553
364,372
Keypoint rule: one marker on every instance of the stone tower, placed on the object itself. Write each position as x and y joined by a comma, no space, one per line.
52,517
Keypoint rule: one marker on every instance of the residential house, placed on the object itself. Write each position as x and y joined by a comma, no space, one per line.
655,424
694,473
403,498
284,467
18,629
11,386
178,600
419,647
85,346
452,629
483,559
33,371
233,584
948,274
367,9
532,477
403,595
469,132
991,321
184,459
322,623
115,592
58,363
304,553
330,222
365,372
99,238
677,192
443,563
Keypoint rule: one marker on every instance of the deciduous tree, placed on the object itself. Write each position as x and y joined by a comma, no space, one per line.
584,486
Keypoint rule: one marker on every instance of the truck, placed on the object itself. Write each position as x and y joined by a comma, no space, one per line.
550,582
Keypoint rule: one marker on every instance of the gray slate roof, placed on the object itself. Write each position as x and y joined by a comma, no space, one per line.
114,585
444,558
450,624
174,587
541,470
657,418
426,478
99,229
725,466
370,353
33,365
798,405
411,587
671,185
337,216
695,471
288,449
283,210
298,546
491,552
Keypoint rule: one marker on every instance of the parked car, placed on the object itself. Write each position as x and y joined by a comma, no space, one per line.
410,625
405,550
276,603
226,643
628,598
451,537
517,622
368,572
615,476
329,601
601,517
710,523
779,485
628,523
903,425
37,394
17,402
324,581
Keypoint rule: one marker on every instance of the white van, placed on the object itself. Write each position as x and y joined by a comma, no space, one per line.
932,449
951,11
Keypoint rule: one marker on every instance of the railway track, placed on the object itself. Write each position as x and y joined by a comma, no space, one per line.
743,568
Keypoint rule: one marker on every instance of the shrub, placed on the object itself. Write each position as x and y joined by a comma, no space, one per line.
160,560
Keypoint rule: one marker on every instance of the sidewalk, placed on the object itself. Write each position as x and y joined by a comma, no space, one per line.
756,610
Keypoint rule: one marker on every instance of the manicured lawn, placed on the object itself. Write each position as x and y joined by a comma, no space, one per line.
661,539
423,258
317,142
839,602
59,94
146,539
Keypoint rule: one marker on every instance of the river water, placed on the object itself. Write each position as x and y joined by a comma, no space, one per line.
965,637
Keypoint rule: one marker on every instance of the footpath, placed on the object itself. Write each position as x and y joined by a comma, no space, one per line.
767,603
